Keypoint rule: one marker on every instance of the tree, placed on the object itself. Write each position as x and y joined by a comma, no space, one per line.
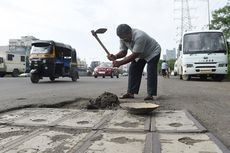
221,20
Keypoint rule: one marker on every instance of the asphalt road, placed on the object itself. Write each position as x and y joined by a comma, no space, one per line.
208,101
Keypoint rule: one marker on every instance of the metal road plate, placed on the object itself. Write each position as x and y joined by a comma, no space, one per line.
123,121
176,121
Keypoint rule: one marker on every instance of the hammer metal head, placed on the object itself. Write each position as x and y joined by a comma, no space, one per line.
98,31
101,30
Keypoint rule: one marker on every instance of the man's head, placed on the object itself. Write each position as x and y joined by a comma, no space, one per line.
124,32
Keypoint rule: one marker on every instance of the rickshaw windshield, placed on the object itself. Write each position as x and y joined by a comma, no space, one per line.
41,48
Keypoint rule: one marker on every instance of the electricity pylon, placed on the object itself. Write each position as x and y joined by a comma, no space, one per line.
185,19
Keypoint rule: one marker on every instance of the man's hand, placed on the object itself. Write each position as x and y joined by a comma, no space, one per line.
111,57
117,63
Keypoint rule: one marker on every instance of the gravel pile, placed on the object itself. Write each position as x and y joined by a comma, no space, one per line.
106,100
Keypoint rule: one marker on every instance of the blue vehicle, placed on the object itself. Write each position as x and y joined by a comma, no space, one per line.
52,59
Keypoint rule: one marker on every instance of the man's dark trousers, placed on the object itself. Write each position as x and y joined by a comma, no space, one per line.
135,73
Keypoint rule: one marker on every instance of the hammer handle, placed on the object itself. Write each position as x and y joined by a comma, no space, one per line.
101,44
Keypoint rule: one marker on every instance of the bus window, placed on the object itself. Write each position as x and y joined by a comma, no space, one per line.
10,57
23,59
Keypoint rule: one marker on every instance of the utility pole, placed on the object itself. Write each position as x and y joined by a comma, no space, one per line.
208,15
208,12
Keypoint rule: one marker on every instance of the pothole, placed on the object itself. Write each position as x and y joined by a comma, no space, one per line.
106,100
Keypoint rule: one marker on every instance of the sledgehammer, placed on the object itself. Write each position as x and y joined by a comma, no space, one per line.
100,31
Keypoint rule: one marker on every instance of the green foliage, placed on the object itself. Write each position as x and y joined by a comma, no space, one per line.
228,76
221,20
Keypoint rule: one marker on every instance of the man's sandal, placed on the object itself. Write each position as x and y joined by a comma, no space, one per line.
127,96
148,98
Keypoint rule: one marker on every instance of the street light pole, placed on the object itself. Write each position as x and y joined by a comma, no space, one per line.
208,15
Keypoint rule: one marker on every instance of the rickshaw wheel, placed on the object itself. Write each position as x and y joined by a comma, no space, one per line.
34,78
74,78
52,78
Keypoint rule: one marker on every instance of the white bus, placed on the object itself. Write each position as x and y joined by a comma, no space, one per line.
203,54
12,63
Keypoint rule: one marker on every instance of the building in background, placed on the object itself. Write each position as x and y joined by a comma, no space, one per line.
170,54
20,47
82,67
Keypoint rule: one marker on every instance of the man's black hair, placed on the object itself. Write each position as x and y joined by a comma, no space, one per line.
123,29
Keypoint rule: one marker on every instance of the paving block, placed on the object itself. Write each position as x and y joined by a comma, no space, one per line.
176,121
124,121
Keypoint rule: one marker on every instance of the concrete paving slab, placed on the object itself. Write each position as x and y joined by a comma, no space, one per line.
87,120
49,141
78,131
11,133
112,142
124,121
187,143
38,117
176,121
11,116
35,116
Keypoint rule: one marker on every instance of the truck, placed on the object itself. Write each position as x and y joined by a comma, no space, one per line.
203,54
12,63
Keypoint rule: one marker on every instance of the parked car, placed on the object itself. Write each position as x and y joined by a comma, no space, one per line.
105,69
125,74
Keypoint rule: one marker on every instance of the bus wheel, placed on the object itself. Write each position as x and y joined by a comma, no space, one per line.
186,77
34,78
15,73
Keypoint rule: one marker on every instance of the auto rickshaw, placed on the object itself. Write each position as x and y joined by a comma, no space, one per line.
52,59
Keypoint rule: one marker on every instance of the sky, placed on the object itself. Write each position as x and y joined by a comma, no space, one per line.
71,21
